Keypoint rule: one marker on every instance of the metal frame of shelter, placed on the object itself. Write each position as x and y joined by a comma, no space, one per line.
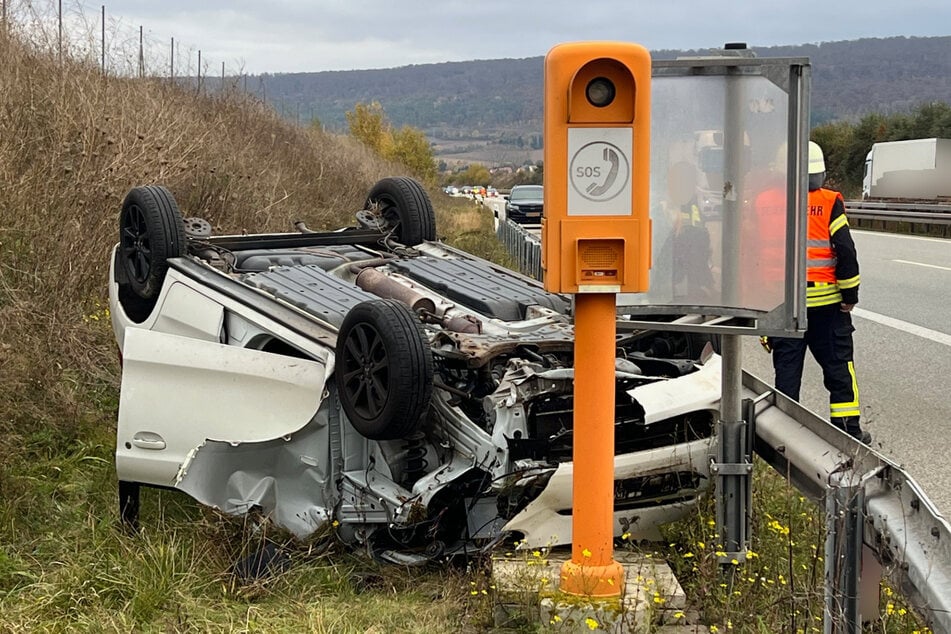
737,82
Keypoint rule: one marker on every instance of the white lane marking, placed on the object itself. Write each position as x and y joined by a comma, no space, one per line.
898,324
899,235
930,266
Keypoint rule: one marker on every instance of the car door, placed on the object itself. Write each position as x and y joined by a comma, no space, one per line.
178,391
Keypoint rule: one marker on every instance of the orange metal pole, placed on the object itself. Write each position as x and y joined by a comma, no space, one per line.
592,570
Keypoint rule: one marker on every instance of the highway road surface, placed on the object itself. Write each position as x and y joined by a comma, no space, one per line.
902,356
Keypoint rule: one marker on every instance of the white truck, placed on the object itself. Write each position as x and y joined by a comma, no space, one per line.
917,169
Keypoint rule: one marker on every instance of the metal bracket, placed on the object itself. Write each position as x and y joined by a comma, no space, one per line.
728,469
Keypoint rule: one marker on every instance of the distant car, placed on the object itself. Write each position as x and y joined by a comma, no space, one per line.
412,397
525,204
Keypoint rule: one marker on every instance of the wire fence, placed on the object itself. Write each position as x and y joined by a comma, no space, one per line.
90,34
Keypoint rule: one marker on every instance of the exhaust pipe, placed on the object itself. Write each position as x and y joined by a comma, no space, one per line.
372,281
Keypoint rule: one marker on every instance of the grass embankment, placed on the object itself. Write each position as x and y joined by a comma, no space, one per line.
71,145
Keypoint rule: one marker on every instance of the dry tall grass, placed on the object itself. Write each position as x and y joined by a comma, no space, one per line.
72,143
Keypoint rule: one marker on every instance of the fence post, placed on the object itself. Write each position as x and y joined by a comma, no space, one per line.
103,39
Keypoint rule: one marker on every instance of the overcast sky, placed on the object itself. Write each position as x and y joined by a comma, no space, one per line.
296,35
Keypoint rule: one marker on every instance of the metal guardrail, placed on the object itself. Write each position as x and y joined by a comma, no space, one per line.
904,530
524,243
914,218
898,206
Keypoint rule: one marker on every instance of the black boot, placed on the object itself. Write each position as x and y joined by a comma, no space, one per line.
852,428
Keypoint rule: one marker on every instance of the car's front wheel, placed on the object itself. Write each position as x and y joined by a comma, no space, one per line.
384,369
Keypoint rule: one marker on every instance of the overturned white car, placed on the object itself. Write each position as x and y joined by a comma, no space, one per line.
415,397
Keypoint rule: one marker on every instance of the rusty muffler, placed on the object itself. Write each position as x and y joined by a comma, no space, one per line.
372,281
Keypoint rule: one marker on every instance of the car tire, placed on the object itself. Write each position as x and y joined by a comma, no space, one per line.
406,207
151,231
384,369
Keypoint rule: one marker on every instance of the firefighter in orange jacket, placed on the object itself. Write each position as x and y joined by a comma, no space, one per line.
832,290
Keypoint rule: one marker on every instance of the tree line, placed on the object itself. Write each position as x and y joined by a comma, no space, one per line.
845,144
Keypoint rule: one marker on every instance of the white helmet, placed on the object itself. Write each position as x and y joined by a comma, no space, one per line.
817,163
817,167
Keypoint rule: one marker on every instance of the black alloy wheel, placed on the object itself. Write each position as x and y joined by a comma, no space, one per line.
384,370
406,208
151,231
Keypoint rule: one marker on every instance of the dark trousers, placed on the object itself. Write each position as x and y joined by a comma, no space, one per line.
829,339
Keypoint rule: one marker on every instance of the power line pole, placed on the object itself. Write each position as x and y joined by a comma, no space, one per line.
171,67
199,71
222,78
141,54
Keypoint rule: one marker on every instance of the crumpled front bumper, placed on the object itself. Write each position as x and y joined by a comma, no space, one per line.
547,520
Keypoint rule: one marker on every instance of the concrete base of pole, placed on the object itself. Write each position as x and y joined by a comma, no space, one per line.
526,585
592,581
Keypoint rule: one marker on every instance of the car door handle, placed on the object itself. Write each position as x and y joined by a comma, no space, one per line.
148,440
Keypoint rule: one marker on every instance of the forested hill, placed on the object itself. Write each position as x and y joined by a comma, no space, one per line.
849,78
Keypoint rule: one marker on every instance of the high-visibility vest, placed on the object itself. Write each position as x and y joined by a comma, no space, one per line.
820,258
690,216
823,288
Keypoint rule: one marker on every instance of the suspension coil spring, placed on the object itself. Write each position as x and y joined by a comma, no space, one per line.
415,463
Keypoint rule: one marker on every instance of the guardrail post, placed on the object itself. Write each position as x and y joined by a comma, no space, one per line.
845,516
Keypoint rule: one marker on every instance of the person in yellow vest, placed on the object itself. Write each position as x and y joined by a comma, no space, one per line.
692,278
832,290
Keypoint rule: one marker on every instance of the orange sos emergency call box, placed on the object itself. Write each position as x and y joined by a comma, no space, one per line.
596,229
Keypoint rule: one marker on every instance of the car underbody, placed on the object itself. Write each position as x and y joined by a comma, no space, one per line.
410,396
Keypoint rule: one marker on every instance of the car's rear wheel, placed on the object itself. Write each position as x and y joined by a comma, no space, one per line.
406,209
151,231
384,369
